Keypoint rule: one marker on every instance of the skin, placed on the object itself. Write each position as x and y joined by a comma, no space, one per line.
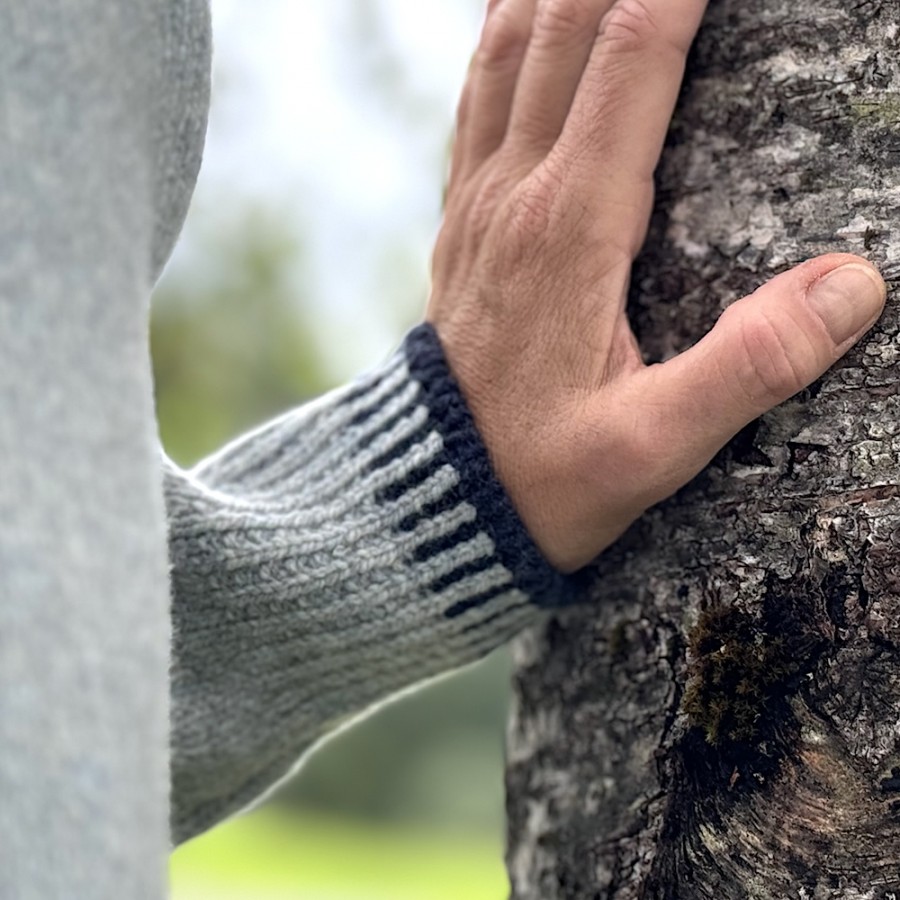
560,127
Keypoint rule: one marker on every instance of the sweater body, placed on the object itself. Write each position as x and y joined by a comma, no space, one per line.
102,105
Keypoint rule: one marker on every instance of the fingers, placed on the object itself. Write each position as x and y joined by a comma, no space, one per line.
488,95
593,81
564,33
621,111
764,349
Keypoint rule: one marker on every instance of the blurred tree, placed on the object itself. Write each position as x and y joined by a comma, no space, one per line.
231,335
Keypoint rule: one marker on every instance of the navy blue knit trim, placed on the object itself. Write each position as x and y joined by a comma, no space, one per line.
464,449
476,600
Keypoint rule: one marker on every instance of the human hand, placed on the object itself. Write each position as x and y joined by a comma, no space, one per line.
560,128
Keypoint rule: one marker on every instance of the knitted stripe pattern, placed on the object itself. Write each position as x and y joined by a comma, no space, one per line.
338,554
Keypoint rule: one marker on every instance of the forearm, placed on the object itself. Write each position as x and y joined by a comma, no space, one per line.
343,552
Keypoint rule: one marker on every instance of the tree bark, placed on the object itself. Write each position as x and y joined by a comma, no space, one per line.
723,720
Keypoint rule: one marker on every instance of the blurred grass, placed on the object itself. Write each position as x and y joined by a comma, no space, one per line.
270,855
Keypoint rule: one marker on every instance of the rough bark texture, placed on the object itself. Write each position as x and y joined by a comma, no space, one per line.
724,720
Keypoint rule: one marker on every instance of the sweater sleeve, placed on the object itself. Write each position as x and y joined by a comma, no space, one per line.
338,554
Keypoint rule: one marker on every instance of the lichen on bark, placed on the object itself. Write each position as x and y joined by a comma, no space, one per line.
786,144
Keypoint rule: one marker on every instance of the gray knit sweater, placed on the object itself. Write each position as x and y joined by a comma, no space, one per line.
338,554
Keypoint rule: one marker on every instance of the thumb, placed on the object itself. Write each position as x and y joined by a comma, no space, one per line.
764,349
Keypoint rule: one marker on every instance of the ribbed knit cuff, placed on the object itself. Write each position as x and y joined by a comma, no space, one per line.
464,449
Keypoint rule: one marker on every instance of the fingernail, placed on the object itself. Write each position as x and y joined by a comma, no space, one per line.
847,299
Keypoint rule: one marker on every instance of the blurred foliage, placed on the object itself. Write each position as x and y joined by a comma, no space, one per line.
434,756
230,334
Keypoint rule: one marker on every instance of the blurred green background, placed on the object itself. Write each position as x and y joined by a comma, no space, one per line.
303,261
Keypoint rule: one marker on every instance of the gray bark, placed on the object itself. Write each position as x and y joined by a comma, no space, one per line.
723,721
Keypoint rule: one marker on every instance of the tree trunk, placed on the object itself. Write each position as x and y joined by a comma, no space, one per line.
723,721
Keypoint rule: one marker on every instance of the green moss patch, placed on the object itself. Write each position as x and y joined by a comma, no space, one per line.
737,670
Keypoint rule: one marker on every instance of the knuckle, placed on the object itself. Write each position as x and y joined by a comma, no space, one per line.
561,17
535,202
767,371
503,40
629,25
